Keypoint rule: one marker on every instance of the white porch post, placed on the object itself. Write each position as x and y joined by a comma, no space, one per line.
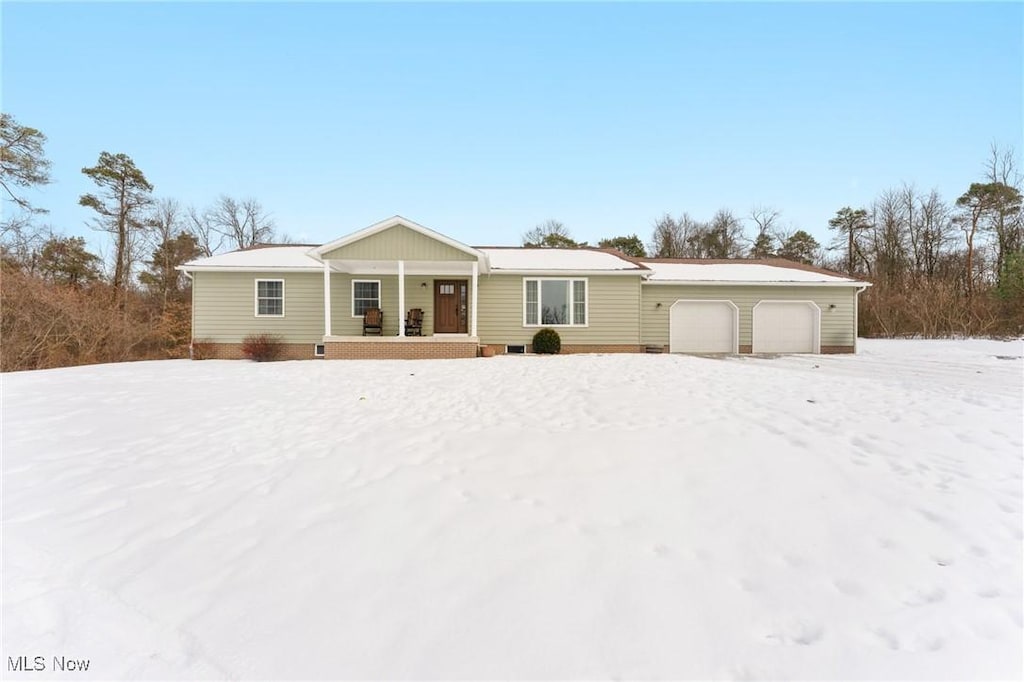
401,298
327,298
472,310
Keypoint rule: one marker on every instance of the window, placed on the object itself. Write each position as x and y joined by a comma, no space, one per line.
365,295
554,302
270,298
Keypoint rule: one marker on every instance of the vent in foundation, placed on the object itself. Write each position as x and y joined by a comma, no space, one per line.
515,350
318,350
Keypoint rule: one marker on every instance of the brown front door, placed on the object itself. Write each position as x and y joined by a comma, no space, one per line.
450,306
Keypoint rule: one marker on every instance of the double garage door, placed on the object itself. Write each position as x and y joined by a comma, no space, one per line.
713,327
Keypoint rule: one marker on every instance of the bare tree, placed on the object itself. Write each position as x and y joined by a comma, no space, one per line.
550,234
166,221
242,223
200,226
930,230
1005,221
765,219
669,238
21,241
720,238
891,214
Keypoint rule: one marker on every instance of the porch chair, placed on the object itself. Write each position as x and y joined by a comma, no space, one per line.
414,322
373,321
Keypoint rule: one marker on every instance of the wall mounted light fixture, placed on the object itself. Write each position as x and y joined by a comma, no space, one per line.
657,305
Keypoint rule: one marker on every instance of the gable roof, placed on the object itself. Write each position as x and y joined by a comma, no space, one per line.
393,221
526,260
541,261
742,271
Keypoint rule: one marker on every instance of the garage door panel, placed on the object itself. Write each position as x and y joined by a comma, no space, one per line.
702,327
786,327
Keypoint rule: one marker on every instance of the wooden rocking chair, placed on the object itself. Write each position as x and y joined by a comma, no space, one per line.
414,322
373,322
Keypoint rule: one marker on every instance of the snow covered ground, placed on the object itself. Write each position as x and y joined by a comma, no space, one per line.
646,516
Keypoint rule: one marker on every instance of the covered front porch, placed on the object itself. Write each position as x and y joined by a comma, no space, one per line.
397,266
445,292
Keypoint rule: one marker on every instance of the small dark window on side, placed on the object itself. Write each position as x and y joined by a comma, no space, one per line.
318,350
515,350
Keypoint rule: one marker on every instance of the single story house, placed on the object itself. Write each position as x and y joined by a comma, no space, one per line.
599,300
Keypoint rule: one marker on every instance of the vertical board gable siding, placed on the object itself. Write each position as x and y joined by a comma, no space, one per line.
613,317
398,243
836,324
225,306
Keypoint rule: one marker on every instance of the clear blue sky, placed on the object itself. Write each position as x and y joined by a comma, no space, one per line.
482,120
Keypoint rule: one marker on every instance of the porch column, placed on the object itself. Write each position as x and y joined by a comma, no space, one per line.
472,309
327,299
401,298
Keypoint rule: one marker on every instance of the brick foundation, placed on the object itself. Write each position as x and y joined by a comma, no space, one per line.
572,348
368,350
836,350
747,349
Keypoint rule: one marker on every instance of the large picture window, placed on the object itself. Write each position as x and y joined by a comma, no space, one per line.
365,295
554,302
270,298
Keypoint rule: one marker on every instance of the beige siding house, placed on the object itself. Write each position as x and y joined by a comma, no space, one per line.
494,299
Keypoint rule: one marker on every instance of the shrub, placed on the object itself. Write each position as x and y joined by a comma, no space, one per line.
262,347
547,341
201,349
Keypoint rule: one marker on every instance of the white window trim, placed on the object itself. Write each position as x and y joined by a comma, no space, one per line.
256,297
352,295
586,301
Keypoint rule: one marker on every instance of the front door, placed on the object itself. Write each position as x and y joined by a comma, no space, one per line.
450,306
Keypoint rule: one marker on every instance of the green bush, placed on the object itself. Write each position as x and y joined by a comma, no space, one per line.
547,341
262,347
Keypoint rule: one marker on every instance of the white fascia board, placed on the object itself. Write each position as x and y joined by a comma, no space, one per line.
568,273
707,283
232,268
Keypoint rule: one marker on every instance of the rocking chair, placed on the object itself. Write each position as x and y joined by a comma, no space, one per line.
414,322
373,321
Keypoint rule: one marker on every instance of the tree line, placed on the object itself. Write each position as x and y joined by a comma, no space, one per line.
938,267
63,304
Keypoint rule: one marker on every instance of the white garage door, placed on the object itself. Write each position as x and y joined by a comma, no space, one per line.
786,327
703,327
